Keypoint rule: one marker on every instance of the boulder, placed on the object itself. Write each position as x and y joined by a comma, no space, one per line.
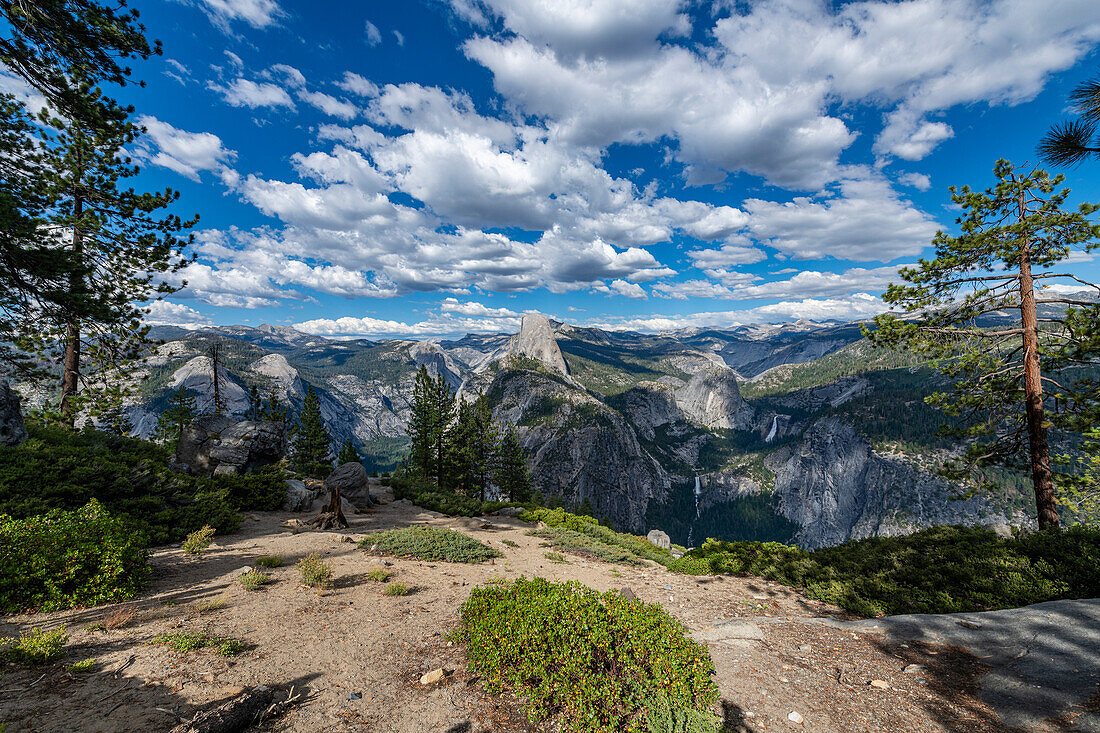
509,511
12,430
660,539
218,445
299,497
352,481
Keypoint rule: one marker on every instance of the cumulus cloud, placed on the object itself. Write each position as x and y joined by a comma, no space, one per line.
918,181
256,13
246,93
329,104
186,153
164,313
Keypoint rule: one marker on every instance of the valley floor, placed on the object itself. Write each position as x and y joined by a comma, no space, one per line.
361,654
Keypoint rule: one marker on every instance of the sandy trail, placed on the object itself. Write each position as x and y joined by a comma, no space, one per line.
361,653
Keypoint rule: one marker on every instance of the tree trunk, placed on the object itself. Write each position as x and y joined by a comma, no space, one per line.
70,376
1041,477
241,712
332,515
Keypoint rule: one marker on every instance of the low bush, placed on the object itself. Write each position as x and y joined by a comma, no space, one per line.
64,469
442,501
36,646
429,543
189,641
199,540
586,546
378,575
84,665
65,559
605,663
254,580
937,570
555,557
269,561
396,589
315,572
559,518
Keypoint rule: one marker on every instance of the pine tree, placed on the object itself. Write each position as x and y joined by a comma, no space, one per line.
117,249
433,409
275,410
255,404
180,413
312,445
510,467
347,454
114,419
1012,234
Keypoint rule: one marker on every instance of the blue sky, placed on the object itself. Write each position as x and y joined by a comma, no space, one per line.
439,167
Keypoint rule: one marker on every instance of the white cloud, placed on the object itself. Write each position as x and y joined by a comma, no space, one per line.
400,37
290,76
622,288
373,35
246,93
909,137
329,104
257,13
918,181
737,253
186,153
866,220
353,83
163,313
474,309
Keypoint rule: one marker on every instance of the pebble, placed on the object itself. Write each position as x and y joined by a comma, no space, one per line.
430,678
970,624
880,684
914,668
805,648
794,717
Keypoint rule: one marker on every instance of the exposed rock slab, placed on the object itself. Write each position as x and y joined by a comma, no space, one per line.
12,430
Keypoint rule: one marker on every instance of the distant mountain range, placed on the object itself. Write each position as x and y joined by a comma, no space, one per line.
799,432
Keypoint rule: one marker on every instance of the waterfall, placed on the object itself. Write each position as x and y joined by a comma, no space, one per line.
771,435
691,532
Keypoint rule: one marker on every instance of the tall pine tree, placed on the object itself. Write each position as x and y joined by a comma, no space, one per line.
510,467
433,409
181,412
312,453
347,454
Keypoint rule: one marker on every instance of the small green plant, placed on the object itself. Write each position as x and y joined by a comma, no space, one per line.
396,589
84,665
254,580
378,575
37,646
555,557
269,561
189,641
199,540
429,543
315,572
586,546
605,663
510,543
216,604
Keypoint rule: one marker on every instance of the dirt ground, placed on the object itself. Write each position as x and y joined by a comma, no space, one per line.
359,654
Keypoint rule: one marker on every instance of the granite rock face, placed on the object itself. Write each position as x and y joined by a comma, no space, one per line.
218,445
712,400
535,340
12,430
352,482
836,488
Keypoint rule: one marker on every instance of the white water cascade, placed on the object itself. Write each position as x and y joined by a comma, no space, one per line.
771,434
691,532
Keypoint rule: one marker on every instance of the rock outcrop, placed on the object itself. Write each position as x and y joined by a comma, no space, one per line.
352,482
836,488
535,340
217,445
12,430
712,400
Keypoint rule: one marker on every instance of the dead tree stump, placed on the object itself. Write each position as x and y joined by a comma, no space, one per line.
242,712
332,514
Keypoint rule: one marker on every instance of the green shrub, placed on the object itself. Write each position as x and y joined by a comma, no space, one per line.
64,469
429,543
637,546
66,559
269,561
198,540
586,546
597,658
209,606
189,641
254,580
37,646
937,570
442,501
555,557
378,575
396,589
510,543
315,572
84,665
